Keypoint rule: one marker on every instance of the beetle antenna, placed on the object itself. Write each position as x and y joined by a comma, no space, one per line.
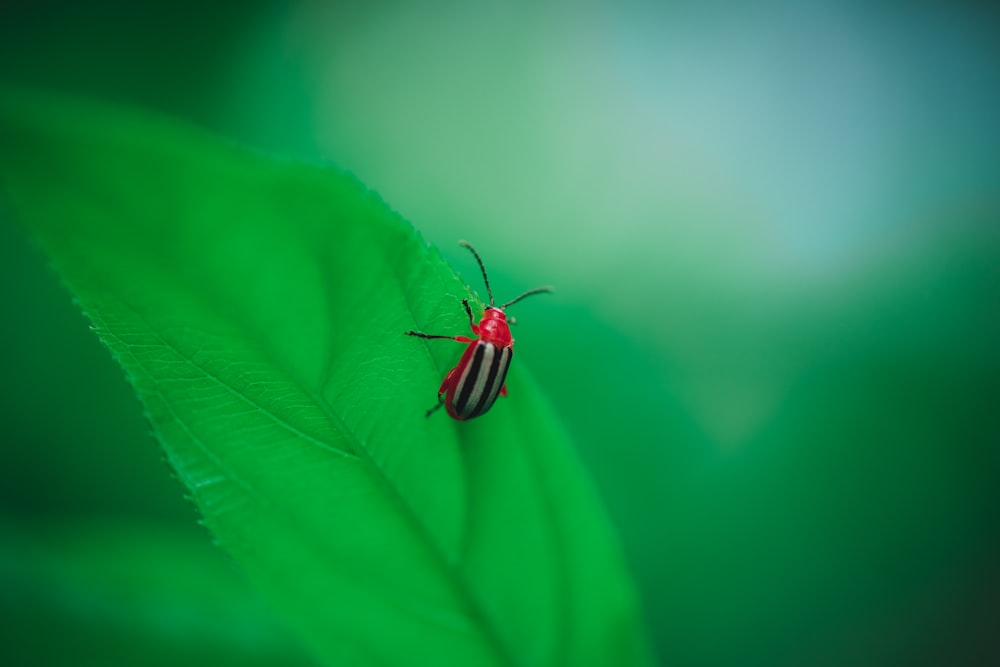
466,244
537,290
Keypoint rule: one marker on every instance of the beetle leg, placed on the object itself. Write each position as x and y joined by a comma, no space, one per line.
472,322
420,334
436,407
445,386
448,381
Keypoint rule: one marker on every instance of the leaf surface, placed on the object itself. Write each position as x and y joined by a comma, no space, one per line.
120,594
257,307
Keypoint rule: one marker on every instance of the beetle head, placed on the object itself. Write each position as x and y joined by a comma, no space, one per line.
493,328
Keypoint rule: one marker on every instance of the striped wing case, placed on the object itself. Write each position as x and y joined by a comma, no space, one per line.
484,369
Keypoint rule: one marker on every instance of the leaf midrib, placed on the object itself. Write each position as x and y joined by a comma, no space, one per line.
421,533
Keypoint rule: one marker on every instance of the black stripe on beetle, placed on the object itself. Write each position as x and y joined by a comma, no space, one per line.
479,385
496,378
470,383
471,388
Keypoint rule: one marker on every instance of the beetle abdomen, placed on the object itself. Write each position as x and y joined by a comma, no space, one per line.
480,382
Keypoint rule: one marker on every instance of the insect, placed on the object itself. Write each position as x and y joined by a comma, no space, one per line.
470,388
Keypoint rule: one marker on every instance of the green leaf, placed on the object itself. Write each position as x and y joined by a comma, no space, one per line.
258,308
123,593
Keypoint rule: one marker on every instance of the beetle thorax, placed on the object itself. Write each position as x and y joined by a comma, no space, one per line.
493,328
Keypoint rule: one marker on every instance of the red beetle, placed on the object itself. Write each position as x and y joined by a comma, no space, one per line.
470,388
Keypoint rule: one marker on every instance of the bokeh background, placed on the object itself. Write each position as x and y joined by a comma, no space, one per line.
775,230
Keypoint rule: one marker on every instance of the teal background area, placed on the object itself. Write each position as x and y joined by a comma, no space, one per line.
775,233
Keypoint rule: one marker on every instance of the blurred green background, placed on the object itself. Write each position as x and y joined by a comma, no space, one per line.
775,231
